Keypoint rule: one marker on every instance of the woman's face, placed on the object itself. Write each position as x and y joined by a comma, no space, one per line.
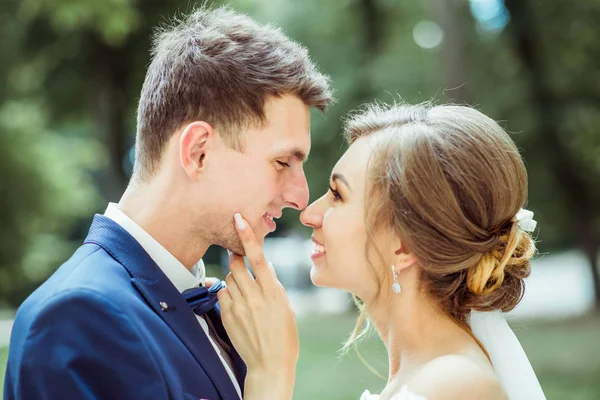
339,231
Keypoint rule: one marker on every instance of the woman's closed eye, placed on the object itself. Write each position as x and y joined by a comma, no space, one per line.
335,193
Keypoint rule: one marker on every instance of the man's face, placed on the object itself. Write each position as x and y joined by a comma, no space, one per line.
266,177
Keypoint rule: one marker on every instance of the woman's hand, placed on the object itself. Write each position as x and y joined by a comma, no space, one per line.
260,321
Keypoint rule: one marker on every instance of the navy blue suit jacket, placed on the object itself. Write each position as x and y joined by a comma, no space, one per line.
95,330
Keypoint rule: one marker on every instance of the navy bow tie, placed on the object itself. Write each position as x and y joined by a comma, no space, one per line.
201,299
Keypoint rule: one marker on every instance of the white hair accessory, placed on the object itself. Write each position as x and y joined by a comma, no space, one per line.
525,220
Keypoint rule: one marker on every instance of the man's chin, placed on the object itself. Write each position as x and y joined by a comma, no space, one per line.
234,244
237,249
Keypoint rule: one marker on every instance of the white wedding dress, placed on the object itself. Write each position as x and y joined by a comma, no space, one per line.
403,395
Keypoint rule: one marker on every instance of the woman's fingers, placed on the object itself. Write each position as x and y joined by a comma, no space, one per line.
243,278
225,300
263,272
234,290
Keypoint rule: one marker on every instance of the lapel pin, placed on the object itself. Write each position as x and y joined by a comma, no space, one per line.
163,306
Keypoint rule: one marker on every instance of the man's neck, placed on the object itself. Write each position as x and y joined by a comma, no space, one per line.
159,212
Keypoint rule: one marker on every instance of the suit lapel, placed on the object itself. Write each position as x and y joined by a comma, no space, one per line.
161,296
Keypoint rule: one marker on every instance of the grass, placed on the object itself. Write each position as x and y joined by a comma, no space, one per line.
3,358
323,373
565,355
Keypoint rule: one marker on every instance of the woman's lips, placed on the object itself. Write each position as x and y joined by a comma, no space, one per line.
318,250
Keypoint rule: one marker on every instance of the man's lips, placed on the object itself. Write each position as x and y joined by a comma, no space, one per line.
270,220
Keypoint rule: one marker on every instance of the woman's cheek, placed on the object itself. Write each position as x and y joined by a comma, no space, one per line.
328,226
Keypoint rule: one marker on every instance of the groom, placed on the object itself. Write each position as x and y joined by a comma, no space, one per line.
222,127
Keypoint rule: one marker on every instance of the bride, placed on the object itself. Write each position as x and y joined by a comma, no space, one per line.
423,222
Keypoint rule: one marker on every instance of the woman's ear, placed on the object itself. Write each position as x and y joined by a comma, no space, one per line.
402,258
194,143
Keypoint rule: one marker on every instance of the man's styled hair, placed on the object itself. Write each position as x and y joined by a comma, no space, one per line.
219,66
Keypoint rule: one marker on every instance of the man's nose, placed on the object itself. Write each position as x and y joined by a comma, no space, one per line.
297,194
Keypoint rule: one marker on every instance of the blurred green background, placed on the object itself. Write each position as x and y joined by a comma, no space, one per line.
71,72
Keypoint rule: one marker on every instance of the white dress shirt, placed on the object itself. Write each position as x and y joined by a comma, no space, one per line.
177,273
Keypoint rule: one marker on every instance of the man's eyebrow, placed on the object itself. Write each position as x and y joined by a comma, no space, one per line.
337,176
297,153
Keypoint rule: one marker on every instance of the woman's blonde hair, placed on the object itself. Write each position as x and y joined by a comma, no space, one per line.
450,181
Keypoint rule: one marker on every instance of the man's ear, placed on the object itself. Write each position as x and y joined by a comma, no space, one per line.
195,141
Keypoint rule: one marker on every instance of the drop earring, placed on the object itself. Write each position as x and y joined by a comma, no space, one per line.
396,288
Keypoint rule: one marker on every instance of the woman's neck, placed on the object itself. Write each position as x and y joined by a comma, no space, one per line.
414,331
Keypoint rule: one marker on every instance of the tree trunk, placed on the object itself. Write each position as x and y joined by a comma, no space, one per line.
453,55
591,252
372,28
547,105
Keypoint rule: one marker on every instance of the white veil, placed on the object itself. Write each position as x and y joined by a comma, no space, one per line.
507,355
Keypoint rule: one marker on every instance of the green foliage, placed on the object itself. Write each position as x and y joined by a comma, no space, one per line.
72,71
46,187
113,20
53,142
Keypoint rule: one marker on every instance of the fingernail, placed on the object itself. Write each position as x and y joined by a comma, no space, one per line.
239,222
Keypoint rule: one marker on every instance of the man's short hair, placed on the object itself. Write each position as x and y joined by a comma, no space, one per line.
219,66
